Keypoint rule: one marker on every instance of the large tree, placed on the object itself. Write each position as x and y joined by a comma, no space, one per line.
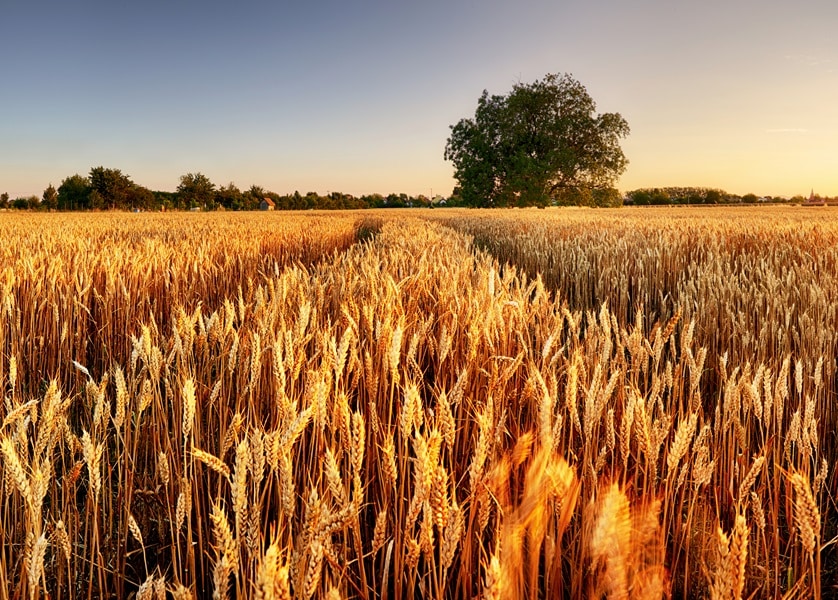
230,197
196,190
541,143
49,200
110,188
140,198
74,193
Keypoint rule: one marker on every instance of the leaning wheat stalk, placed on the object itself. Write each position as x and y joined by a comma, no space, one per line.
808,520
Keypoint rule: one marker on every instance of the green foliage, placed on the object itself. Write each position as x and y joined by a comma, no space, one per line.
196,190
110,188
26,203
230,197
678,195
607,197
582,196
74,193
164,200
714,196
49,200
542,143
104,189
140,198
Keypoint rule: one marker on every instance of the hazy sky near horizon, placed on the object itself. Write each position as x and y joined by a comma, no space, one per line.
359,96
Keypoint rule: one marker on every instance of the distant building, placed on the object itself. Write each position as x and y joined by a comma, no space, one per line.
267,204
815,200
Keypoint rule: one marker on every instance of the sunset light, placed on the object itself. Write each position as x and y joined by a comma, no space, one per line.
442,299
359,97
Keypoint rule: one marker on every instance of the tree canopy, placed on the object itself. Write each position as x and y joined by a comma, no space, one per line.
49,200
74,193
542,143
110,187
682,195
196,190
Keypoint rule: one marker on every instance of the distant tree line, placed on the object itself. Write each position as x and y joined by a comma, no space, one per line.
111,189
700,195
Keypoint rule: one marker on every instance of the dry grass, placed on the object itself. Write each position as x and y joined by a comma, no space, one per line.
260,408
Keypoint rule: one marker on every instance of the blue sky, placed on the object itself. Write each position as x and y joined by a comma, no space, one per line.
358,96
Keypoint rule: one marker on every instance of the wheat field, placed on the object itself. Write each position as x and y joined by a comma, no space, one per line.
420,404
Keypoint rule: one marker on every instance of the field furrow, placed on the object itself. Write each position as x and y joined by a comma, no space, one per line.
411,416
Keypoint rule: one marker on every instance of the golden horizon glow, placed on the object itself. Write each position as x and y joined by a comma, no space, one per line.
358,98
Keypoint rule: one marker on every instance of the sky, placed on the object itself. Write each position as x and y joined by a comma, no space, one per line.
358,97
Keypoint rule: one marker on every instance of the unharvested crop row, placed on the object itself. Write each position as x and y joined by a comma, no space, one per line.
73,287
760,285
409,420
